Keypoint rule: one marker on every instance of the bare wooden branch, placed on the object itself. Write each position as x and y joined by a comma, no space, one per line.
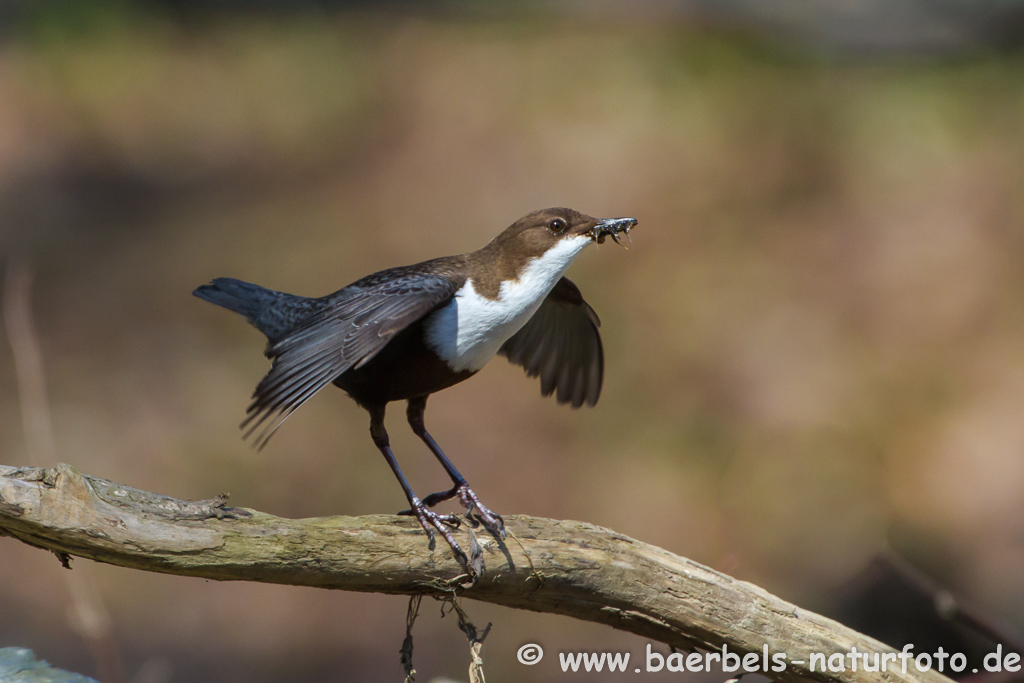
563,567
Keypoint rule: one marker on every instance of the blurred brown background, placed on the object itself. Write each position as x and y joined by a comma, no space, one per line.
814,349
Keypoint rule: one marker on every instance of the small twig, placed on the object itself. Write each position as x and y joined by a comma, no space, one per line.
28,363
529,560
91,617
948,607
406,651
476,643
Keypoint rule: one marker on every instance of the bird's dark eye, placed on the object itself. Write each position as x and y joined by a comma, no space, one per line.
557,225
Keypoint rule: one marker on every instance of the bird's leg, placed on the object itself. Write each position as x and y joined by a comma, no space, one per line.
426,517
491,520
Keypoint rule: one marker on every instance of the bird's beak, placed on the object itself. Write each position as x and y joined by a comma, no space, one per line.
613,227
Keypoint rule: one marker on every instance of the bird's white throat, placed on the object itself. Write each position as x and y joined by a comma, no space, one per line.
469,331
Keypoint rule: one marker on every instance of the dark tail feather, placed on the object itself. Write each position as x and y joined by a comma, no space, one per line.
235,295
275,314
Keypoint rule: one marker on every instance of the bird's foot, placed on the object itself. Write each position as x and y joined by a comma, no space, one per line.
492,521
431,520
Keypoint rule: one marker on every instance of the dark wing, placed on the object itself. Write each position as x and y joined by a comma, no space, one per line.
351,328
562,345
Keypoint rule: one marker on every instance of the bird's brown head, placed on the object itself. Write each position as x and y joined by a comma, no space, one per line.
536,232
552,237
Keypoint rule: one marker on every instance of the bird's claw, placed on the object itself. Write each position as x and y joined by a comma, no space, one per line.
431,520
492,521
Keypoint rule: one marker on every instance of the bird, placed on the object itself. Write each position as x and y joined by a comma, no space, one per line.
404,333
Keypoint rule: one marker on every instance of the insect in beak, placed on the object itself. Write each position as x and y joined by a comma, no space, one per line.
613,227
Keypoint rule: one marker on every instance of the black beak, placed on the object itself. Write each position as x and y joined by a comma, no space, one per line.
612,226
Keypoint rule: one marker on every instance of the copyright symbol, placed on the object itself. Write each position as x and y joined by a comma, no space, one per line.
530,654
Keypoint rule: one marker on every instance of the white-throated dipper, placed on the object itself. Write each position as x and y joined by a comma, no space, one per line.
405,333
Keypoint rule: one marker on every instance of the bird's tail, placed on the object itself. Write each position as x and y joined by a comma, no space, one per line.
272,313
235,295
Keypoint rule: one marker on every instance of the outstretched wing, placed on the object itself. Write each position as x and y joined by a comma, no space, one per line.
350,329
561,344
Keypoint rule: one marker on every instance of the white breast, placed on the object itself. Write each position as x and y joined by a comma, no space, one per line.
469,331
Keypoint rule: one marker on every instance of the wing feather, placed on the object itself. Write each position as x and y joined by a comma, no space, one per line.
561,344
351,327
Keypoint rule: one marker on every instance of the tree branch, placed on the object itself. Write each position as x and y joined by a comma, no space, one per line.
563,567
